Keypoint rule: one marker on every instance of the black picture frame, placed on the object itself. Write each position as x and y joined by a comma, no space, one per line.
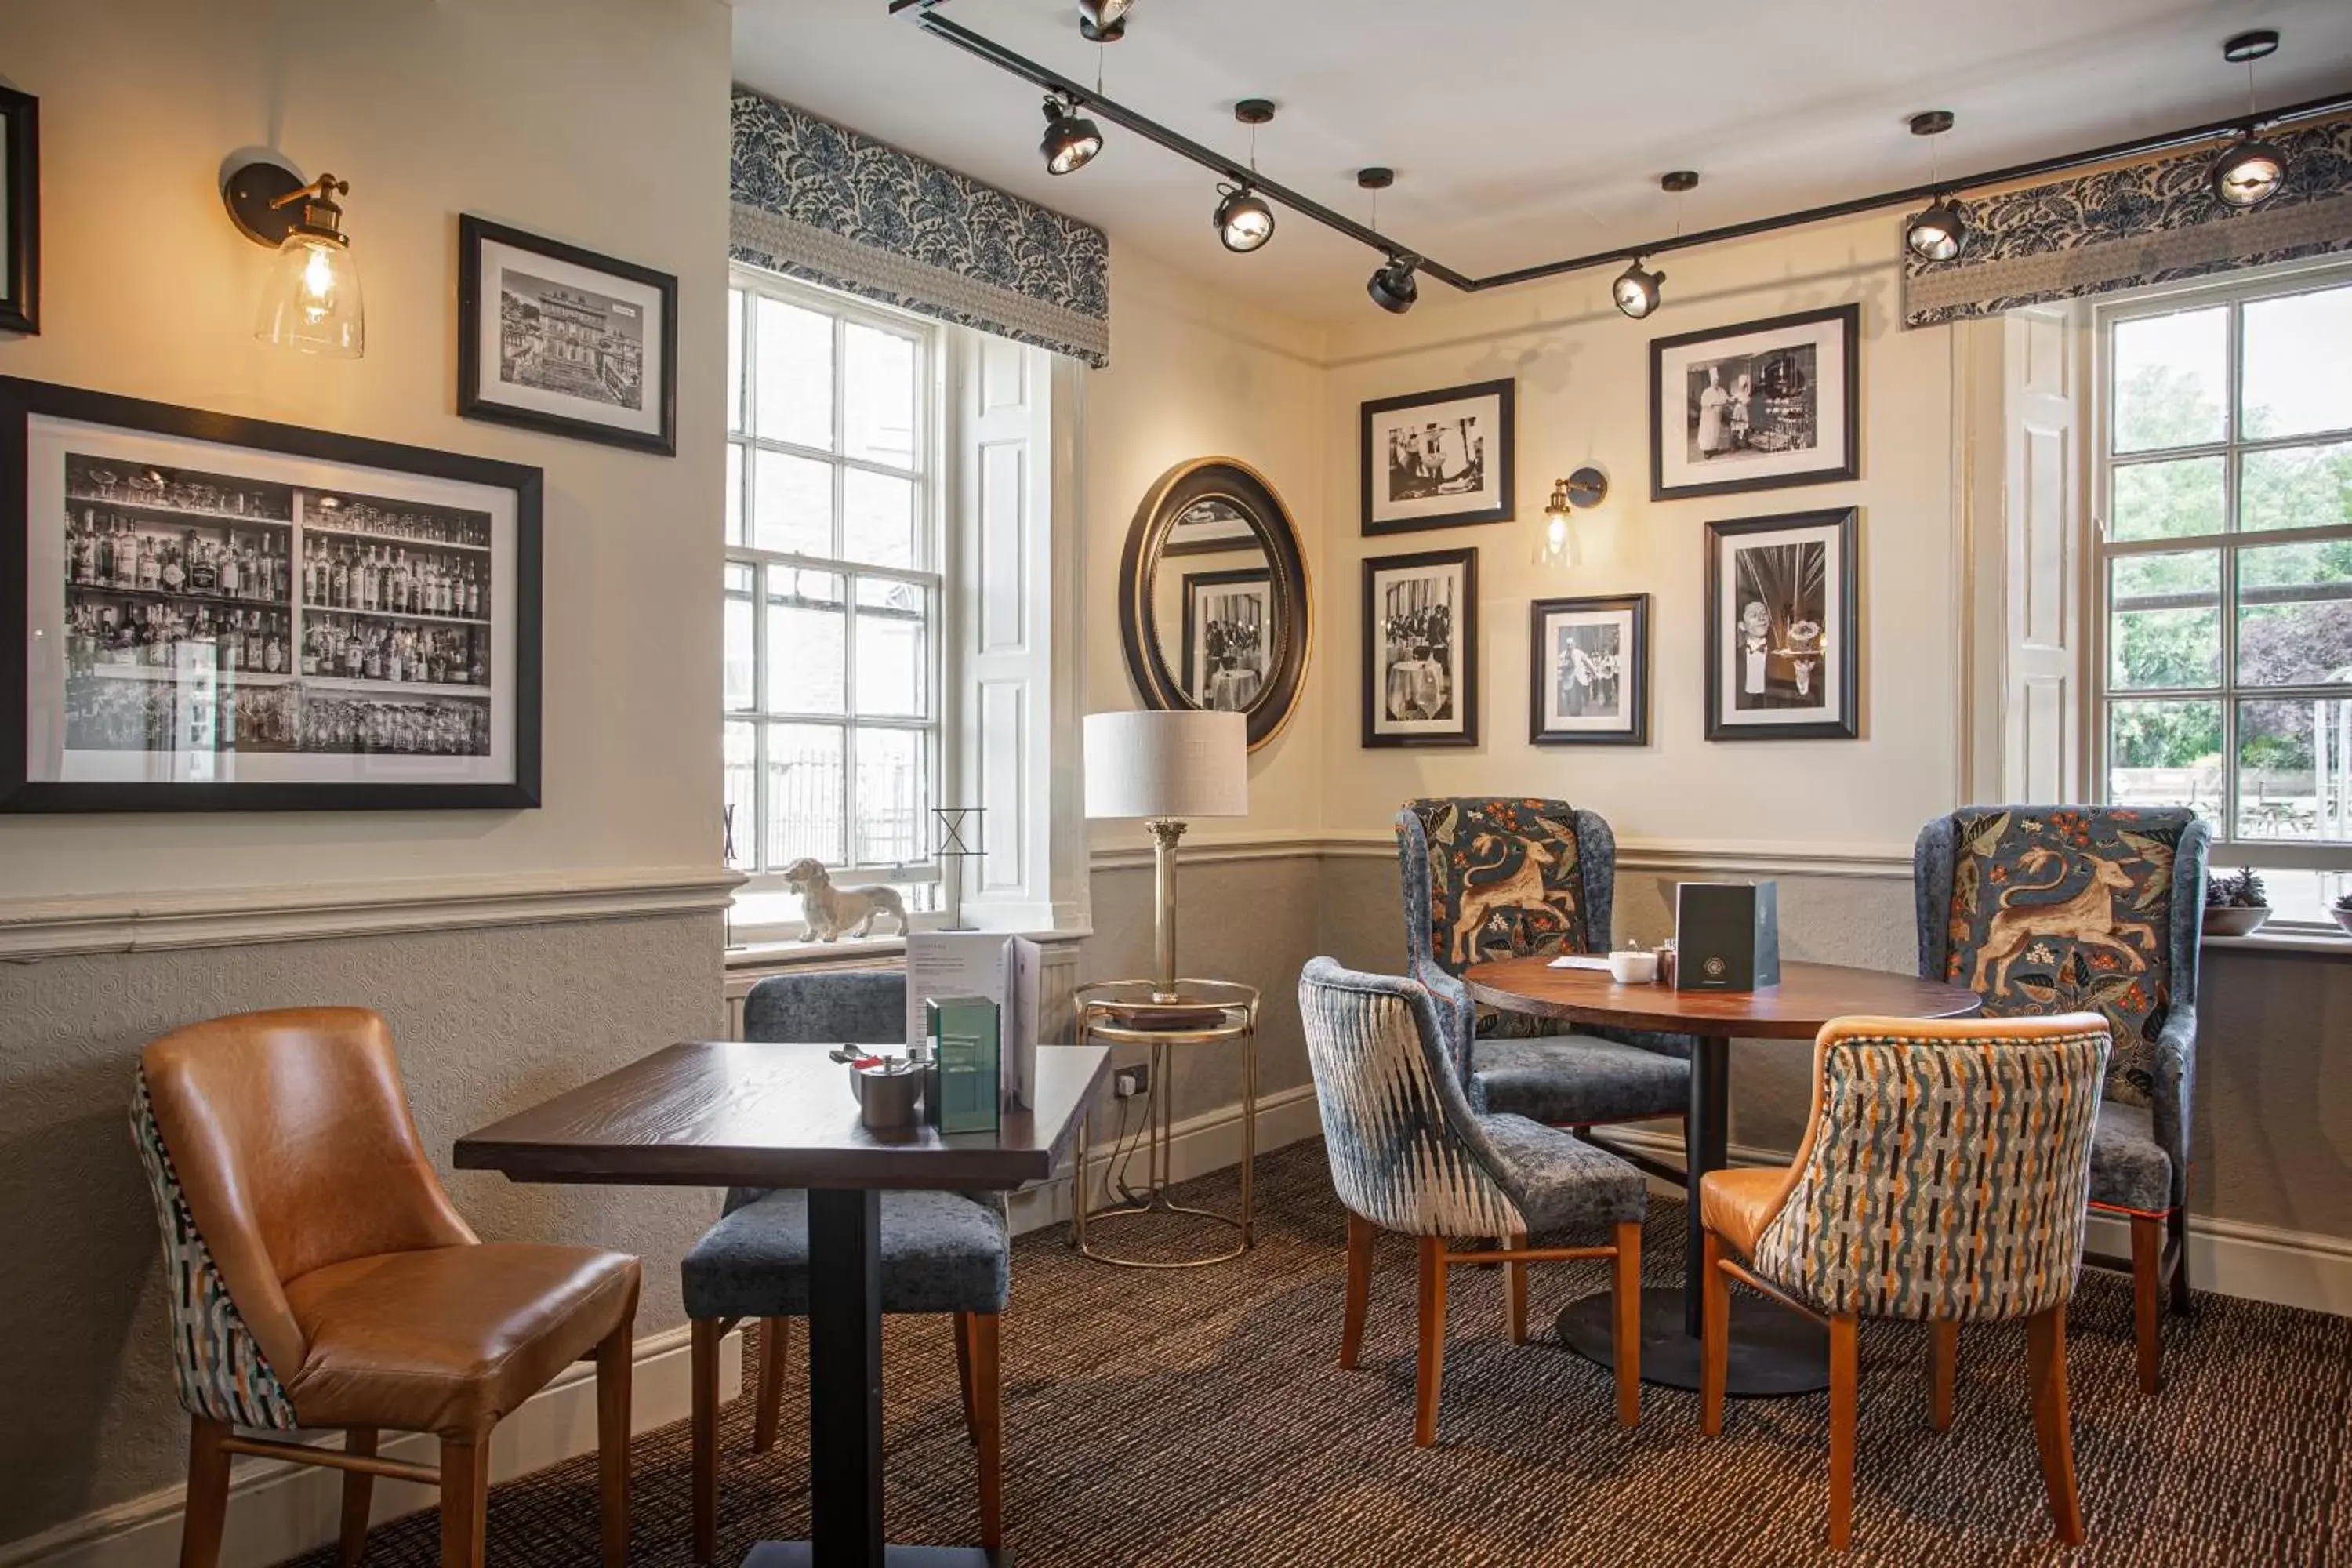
1464,636
22,401
1847,464
1501,509
1839,531
1635,676
1189,584
474,402
20,258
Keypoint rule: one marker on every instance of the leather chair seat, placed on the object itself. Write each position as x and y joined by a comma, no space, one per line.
1737,1204
450,1339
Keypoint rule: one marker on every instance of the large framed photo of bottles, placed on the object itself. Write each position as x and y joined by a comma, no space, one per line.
205,612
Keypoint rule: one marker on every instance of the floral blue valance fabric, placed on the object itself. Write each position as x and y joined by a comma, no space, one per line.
2125,227
815,201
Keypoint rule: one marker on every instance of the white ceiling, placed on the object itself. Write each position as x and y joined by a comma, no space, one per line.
1523,131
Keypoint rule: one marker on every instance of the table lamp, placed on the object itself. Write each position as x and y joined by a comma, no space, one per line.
1167,768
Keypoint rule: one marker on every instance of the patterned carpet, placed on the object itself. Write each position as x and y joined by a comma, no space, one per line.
1198,1417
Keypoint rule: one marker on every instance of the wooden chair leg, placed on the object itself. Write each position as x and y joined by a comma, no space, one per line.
465,1498
207,1512
1715,1342
2147,1273
1514,1291
1845,1370
1626,1350
1943,1370
775,1350
963,1332
616,1372
703,1372
2045,1344
988,1424
2177,1227
1430,1373
1361,1231
359,1496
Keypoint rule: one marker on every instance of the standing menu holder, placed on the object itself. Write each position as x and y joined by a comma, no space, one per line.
1726,936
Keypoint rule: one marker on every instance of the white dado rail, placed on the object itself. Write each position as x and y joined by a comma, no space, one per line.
1696,856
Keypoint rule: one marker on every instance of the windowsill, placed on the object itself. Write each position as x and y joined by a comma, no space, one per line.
785,951
2305,939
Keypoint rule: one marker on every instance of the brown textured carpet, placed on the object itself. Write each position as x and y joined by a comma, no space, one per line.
1198,1417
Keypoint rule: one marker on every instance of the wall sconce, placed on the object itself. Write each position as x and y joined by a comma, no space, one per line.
310,300
1588,487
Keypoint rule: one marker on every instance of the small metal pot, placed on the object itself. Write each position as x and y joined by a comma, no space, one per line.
889,1094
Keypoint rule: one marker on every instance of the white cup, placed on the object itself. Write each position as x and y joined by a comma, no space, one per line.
1631,967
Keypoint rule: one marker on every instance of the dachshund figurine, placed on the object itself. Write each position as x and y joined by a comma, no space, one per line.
829,913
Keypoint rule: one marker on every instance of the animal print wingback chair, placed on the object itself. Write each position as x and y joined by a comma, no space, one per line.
2064,909
1489,879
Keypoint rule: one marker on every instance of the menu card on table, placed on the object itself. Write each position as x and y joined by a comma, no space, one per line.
1003,969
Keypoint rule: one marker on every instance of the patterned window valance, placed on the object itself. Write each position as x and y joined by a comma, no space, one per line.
2125,227
815,201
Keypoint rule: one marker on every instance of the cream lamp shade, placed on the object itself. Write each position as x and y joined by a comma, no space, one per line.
1177,763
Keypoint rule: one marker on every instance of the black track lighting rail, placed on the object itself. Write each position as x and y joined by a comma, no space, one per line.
924,14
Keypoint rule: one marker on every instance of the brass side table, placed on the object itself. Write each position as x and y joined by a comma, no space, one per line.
1128,1013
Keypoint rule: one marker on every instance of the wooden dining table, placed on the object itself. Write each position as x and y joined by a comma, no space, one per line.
1773,1350
718,1113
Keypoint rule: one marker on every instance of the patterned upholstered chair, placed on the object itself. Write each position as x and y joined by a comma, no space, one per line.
941,1252
319,1278
1503,878
1940,1181
2046,909
1408,1155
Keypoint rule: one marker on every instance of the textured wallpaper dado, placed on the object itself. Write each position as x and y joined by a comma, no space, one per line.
485,1021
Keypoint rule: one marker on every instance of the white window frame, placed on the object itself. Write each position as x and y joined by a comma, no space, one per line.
2228,846
932,476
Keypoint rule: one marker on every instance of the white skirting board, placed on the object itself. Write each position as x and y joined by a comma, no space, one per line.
277,1509
1196,1146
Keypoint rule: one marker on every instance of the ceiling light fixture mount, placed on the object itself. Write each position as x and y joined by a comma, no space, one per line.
2245,48
1940,232
1102,21
1679,181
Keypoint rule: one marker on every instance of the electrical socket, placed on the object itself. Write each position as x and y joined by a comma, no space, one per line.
1128,1082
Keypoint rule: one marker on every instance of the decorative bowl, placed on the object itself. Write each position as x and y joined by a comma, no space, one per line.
2234,919
2344,919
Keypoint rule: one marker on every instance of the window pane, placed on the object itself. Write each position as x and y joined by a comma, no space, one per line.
793,502
741,765
735,495
2165,753
2167,626
878,519
892,797
2170,376
2298,376
878,396
893,663
808,634
792,398
2295,613
804,765
734,359
2296,487
2294,770
2167,501
742,691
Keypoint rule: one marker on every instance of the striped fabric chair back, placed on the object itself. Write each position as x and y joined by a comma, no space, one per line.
1399,1133
1944,1173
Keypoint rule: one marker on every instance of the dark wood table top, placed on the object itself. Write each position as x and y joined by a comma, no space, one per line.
1809,996
718,1113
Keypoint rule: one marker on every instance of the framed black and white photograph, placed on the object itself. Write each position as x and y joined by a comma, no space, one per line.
1421,650
1208,527
1228,619
1784,628
207,612
561,340
1438,459
20,212
1588,681
1757,407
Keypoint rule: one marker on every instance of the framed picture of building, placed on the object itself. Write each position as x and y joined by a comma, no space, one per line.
20,212
1438,459
205,612
558,339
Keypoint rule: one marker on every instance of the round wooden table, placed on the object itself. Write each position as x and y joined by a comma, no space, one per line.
1773,1351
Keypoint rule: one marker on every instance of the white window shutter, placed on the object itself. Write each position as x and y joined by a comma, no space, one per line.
2043,547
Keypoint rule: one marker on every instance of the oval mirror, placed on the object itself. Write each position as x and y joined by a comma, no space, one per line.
1213,596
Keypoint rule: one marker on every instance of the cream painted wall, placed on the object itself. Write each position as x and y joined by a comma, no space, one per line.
601,122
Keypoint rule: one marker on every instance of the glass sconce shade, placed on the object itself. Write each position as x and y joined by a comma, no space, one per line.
310,300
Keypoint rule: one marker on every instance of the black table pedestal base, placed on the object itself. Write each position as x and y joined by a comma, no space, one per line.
1773,1351
797,1554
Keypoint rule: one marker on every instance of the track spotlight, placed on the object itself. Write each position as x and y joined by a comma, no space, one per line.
2248,173
1071,139
1104,21
1636,291
1244,220
1392,287
1938,234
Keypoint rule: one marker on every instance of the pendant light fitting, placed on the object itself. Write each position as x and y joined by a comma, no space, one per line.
2250,171
1940,232
1071,139
1243,221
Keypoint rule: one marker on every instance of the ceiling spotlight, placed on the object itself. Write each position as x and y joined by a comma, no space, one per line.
1244,220
1393,288
2249,173
1938,234
1104,21
1071,139
1636,291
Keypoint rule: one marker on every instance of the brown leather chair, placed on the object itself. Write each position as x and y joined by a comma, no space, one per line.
320,1279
